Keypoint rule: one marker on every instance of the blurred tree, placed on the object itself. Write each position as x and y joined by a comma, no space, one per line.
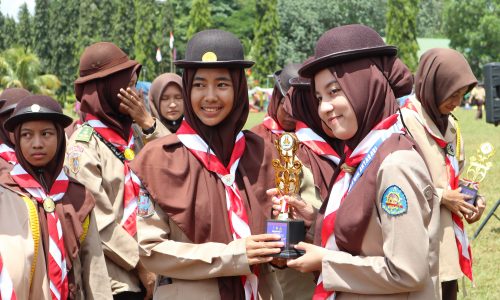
473,28
9,33
25,27
107,9
199,17
41,37
402,30
21,68
146,14
430,19
164,25
63,33
266,38
242,22
123,29
89,21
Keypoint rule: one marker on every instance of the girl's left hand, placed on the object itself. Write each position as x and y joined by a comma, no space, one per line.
311,260
133,105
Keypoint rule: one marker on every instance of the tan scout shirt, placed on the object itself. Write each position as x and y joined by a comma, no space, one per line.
142,139
397,259
17,248
192,269
295,284
94,165
434,157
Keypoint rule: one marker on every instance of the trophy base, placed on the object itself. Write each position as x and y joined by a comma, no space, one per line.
292,232
471,192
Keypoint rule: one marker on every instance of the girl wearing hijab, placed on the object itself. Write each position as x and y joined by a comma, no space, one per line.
63,244
377,230
443,78
165,99
204,202
99,154
8,101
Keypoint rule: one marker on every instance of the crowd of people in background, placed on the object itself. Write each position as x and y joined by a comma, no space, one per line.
168,198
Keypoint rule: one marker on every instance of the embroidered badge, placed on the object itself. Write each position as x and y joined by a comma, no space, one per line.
144,204
73,159
85,134
394,201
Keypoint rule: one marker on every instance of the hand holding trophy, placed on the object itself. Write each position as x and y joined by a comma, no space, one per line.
476,172
287,179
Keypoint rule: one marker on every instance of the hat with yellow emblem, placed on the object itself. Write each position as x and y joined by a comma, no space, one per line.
214,48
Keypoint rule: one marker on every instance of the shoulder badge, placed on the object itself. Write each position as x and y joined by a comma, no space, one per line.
144,204
394,201
72,164
85,134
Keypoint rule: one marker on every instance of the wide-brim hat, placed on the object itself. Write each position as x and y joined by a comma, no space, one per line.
102,59
10,97
345,43
214,48
37,107
282,77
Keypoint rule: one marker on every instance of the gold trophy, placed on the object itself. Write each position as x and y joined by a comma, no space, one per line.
287,179
476,172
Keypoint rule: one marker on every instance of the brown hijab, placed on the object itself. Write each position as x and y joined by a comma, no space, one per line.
99,98
441,72
371,86
274,103
158,86
221,137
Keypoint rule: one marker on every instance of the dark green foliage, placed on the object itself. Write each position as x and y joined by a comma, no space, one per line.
88,25
199,17
402,30
106,10
41,41
123,29
429,20
144,38
9,33
473,28
25,27
266,39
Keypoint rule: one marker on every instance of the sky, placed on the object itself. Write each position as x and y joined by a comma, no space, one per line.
11,7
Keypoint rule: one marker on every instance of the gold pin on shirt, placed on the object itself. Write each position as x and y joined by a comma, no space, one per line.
49,205
129,154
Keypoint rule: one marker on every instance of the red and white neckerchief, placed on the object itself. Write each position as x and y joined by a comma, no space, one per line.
272,125
132,183
6,287
344,182
463,246
8,154
57,253
237,215
316,143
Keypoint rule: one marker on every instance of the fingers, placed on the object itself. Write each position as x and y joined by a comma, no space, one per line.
261,247
302,246
265,237
272,192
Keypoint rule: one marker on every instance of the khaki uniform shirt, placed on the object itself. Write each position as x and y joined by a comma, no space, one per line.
190,271
434,156
142,139
16,236
94,165
397,258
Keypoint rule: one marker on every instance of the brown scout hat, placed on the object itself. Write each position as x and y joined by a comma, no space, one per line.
10,97
214,48
282,77
102,59
37,107
346,43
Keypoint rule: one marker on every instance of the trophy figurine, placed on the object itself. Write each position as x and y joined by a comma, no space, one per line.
287,179
476,172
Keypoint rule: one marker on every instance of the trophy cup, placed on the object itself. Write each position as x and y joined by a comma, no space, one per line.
287,179
476,172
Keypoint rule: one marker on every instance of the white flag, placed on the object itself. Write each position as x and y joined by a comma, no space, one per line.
171,43
158,55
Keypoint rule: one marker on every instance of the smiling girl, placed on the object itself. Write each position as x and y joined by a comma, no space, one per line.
62,208
204,210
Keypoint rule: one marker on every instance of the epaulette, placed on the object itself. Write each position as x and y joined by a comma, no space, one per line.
85,133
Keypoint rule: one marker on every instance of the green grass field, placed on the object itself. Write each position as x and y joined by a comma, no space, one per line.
485,248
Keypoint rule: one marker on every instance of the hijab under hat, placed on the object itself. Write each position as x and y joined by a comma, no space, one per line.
441,72
221,137
158,87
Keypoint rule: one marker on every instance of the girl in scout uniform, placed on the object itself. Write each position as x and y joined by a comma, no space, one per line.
8,101
63,258
99,154
165,100
376,230
443,78
204,206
